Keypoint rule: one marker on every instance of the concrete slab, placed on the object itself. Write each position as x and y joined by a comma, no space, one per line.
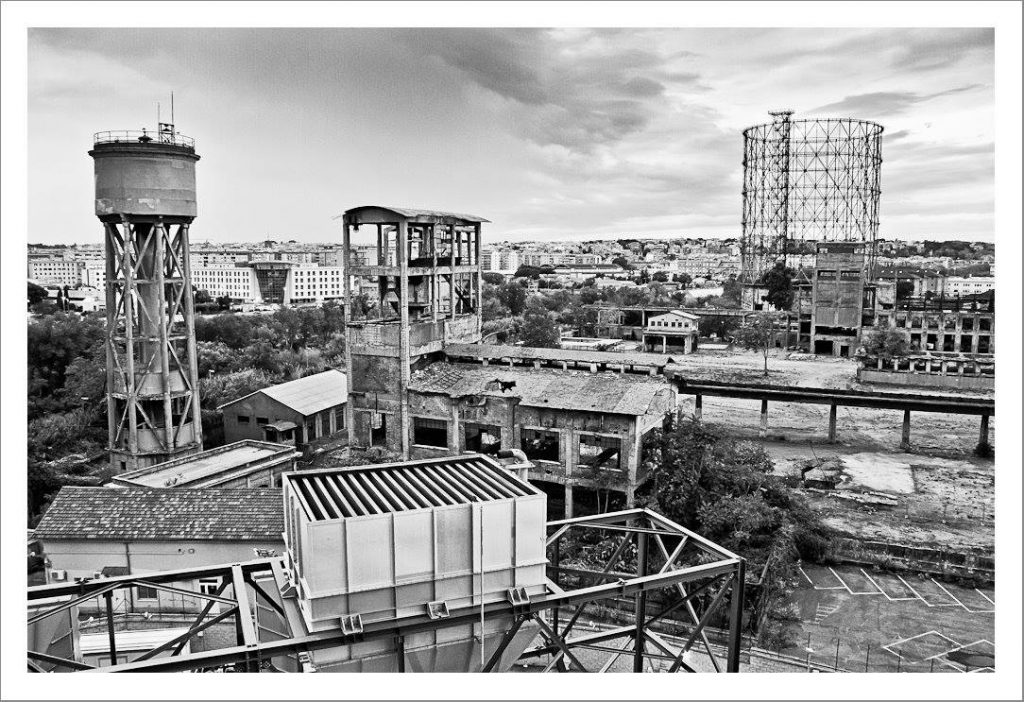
878,471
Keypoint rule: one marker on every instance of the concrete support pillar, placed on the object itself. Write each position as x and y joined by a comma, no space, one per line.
764,417
879,363
536,365
944,368
593,368
565,366
664,344
832,412
905,442
983,433
698,406
568,501
928,366
485,361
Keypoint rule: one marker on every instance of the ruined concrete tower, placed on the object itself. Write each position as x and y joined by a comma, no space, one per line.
419,288
146,200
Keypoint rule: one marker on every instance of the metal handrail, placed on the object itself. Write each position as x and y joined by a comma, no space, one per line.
128,136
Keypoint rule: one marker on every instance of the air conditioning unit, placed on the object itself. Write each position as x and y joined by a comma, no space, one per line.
58,576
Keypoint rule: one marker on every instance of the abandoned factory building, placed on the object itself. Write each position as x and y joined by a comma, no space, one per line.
578,428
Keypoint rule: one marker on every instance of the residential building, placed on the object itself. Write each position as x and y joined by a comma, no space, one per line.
271,282
299,413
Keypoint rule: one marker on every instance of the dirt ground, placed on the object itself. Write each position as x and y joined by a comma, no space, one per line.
937,494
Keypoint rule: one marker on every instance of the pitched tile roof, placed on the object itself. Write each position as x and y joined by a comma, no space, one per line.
611,393
308,395
164,514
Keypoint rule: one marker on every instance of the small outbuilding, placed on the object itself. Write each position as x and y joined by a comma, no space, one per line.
298,413
675,331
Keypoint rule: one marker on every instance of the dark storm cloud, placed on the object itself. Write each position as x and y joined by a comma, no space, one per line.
564,93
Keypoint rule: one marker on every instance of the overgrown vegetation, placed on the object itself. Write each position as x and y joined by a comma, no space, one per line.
236,355
725,490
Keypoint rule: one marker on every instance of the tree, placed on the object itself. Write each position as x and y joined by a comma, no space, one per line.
726,491
660,277
493,278
53,345
513,296
886,343
224,301
525,271
201,297
720,326
622,262
732,293
539,328
36,294
683,279
779,282
758,334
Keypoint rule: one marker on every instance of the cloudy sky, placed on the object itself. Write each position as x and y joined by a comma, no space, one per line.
563,133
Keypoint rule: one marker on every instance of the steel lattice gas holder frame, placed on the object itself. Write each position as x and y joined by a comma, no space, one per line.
805,181
652,559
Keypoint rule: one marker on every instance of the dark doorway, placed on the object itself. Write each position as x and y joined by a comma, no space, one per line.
378,429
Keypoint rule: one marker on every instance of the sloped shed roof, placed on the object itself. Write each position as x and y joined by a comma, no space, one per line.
308,395
164,514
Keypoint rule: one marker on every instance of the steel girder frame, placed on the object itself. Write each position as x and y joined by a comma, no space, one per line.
652,554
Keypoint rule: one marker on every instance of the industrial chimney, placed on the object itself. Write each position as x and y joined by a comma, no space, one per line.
146,200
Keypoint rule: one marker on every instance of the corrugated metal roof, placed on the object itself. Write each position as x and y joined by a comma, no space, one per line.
397,487
308,395
612,358
413,213
164,514
610,393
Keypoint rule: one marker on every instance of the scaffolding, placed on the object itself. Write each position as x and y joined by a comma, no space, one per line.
656,570
806,181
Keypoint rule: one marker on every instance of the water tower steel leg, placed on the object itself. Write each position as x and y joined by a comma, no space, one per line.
983,433
698,406
764,417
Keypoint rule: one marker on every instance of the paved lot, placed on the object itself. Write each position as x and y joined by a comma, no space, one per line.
887,622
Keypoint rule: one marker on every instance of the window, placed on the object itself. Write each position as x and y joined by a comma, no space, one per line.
826,275
601,452
985,324
483,438
967,324
850,275
209,586
262,420
146,593
243,419
430,432
540,445
339,417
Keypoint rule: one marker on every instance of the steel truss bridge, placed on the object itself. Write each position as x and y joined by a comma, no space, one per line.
662,568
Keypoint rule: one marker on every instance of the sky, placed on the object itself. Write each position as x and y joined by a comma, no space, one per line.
547,133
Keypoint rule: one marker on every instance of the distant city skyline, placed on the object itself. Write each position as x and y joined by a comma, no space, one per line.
562,134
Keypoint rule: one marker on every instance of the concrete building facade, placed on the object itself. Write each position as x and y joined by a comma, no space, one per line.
579,429
428,293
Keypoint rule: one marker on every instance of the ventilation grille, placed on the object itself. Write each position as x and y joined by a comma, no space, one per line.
367,490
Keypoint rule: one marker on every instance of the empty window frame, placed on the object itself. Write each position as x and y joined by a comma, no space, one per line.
143,592
600,451
482,438
540,445
243,419
430,432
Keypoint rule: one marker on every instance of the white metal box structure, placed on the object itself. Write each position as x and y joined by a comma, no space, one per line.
377,542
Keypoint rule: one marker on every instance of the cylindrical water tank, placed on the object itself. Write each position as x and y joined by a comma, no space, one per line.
139,175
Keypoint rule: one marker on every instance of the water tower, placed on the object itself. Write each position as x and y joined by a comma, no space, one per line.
146,200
